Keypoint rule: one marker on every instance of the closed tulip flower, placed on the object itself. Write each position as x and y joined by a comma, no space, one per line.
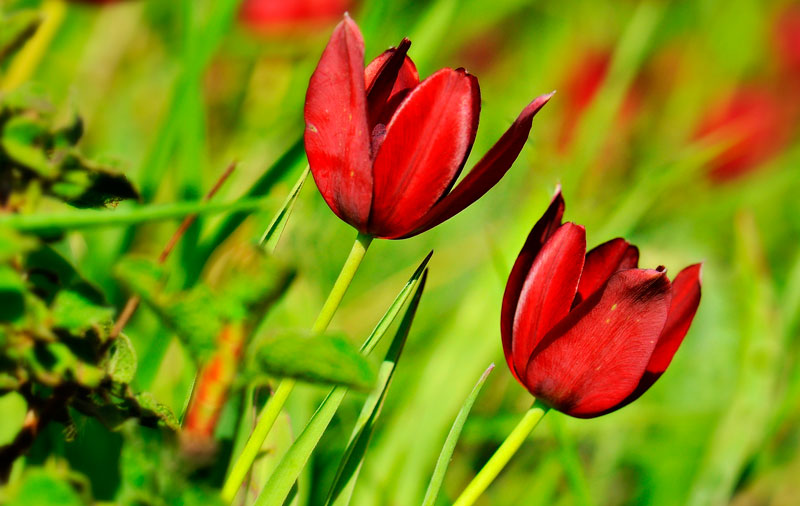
588,333
386,149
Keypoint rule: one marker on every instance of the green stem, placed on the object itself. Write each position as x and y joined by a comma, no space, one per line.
272,409
486,476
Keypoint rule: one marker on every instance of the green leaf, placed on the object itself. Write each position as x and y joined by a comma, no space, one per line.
328,359
21,139
121,363
450,443
269,241
14,407
96,185
282,480
12,295
343,484
77,314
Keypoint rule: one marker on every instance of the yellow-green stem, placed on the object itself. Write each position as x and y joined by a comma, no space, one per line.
25,63
486,476
268,415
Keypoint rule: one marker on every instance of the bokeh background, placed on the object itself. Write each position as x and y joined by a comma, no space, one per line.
675,125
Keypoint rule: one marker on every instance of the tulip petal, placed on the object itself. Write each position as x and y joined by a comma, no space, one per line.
548,291
425,146
685,300
594,358
542,231
337,137
390,73
487,172
601,262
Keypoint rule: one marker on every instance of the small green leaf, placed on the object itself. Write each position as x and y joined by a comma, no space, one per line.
14,407
121,364
77,314
329,359
450,443
21,139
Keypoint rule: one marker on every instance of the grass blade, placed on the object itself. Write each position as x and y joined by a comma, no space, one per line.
450,443
79,219
285,475
260,188
269,241
342,489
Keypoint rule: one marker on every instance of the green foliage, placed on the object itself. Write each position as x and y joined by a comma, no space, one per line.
18,27
38,158
326,359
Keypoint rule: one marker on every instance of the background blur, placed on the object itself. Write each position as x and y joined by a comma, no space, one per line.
675,125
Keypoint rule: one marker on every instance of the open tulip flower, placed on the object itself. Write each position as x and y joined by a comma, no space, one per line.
386,149
588,333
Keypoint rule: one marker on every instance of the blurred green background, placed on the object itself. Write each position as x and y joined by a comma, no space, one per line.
675,125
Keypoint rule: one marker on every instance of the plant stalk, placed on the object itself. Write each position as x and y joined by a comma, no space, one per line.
492,468
272,409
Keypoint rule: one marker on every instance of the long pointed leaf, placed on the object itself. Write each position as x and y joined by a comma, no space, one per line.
269,241
285,475
450,443
260,188
342,489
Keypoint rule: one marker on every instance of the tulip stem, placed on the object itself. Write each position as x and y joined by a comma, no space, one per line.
268,415
492,468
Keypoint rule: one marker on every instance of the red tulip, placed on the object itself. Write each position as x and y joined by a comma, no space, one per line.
588,333
753,122
261,14
385,149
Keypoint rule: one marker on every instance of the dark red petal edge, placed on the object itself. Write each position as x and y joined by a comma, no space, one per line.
601,262
380,89
544,228
487,172
686,290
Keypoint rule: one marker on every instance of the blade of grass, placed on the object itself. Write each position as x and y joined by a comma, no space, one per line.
260,188
343,484
285,475
79,219
24,64
269,241
244,461
450,443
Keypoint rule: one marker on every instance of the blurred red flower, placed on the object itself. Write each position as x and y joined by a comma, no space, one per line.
588,333
270,14
754,122
386,149
583,81
786,34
